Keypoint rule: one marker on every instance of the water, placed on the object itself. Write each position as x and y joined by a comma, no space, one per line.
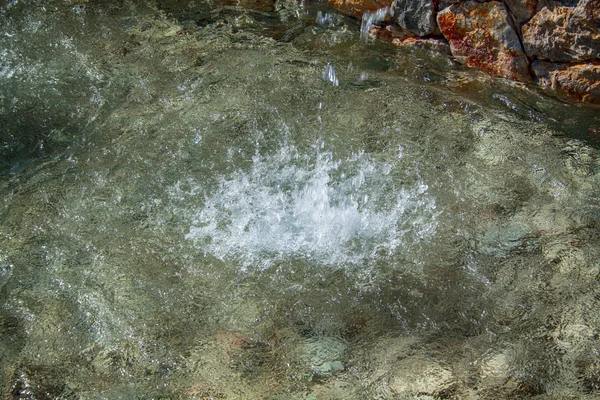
313,207
371,18
214,201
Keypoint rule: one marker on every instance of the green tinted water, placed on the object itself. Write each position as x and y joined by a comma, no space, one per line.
209,201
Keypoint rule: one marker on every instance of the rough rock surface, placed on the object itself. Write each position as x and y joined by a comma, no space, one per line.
480,36
357,8
563,34
522,10
501,38
432,44
417,16
388,32
580,82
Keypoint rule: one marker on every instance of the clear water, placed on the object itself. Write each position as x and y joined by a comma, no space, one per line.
248,201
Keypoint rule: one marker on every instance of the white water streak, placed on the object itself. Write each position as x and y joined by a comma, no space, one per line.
333,212
371,18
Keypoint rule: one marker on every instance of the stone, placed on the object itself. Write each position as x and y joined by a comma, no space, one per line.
481,36
500,241
389,32
420,376
522,10
435,45
415,15
323,354
580,82
494,369
560,33
357,8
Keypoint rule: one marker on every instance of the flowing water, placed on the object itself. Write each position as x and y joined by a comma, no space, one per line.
206,200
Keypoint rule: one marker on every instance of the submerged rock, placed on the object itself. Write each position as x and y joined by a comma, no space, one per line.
322,355
418,376
501,241
480,36
415,15
562,33
580,82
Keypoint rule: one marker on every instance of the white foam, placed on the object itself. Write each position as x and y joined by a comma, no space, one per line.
313,207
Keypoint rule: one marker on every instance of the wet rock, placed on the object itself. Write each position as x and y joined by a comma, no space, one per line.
480,36
322,355
372,19
522,10
389,32
573,335
501,241
564,33
494,368
436,45
334,389
415,15
580,82
357,8
420,376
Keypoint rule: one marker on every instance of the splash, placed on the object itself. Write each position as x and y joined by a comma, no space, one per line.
312,207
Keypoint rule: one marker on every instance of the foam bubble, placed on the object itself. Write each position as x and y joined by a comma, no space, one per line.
314,207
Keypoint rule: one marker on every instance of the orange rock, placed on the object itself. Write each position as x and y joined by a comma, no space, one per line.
480,36
564,34
432,44
389,32
357,8
580,82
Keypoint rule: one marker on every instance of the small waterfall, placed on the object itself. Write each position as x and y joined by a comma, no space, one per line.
330,76
325,19
371,18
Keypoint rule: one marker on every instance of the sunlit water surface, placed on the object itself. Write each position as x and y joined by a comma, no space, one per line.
210,201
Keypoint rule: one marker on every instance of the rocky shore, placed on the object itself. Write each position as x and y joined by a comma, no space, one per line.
555,43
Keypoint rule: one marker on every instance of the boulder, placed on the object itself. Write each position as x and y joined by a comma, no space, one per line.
564,33
522,10
580,82
415,15
481,36
357,8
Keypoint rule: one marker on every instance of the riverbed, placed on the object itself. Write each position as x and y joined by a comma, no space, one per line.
255,201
